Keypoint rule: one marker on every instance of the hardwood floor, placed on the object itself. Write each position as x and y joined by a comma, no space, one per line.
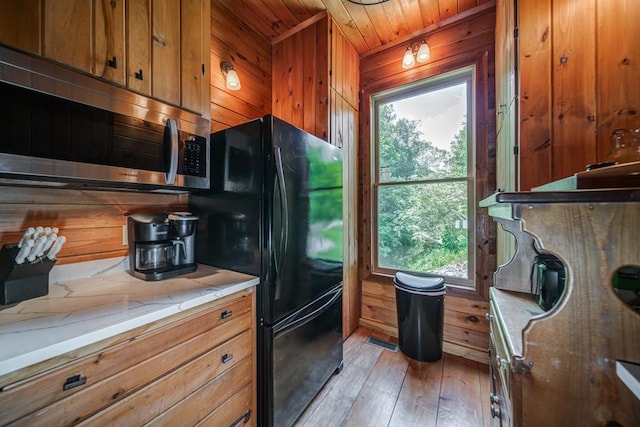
378,387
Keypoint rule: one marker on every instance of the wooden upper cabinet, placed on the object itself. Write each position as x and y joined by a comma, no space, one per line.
138,21
158,48
20,24
67,35
195,39
345,65
165,51
109,37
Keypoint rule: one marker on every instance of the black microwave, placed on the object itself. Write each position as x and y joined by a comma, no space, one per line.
548,280
63,126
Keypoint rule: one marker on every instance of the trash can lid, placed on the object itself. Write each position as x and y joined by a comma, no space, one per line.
419,284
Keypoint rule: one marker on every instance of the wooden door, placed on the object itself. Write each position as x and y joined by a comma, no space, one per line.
193,62
507,141
165,51
301,78
139,46
20,24
67,34
109,59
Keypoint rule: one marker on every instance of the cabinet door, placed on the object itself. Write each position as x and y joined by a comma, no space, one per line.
109,58
165,51
139,46
193,65
20,24
67,32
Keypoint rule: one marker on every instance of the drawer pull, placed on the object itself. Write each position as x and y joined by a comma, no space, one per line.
227,358
504,363
226,314
242,419
113,62
74,381
495,411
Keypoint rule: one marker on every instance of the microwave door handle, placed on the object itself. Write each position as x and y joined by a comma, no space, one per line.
284,230
171,151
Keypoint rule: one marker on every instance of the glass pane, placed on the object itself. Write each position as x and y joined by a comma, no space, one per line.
424,136
423,228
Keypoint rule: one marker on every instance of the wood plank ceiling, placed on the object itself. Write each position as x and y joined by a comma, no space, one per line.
368,28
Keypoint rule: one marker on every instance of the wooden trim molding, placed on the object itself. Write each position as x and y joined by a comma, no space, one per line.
485,162
467,43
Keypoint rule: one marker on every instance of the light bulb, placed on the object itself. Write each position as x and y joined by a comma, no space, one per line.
233,81
423,53
407,60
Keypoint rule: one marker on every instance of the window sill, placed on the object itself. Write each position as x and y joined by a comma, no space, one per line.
452,290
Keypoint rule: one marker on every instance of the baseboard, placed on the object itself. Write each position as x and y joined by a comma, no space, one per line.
466,352
379,327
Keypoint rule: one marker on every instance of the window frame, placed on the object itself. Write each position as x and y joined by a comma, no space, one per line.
468,75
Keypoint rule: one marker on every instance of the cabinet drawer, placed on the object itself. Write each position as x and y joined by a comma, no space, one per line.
204,382
501,366
205,400
237,411
95,381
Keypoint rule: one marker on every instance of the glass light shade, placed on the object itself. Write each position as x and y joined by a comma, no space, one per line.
233,81
408,60
423,53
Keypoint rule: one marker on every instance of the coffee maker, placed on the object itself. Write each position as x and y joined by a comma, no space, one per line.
161,245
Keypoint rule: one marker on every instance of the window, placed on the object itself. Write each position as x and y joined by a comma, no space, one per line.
423,178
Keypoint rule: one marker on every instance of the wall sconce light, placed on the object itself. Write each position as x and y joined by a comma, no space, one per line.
417,51
232,79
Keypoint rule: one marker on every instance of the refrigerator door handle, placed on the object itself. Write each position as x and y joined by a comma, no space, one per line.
301,318
284,229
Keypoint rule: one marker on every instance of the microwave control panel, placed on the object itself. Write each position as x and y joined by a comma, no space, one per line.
193,156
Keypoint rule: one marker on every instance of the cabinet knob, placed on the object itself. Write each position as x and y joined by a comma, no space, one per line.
138,75
242,419
504,363
74,381
495,411
113,62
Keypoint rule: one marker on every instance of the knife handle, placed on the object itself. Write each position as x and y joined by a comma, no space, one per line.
56,247
50,239
37,247
27,234
24,251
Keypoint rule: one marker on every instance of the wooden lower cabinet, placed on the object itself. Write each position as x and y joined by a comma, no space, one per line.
179,373
561,367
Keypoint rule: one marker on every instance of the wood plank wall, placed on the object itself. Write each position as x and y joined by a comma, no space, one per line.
91,220
579,78
250,54
466,42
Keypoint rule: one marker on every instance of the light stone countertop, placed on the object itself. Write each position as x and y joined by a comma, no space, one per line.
103,302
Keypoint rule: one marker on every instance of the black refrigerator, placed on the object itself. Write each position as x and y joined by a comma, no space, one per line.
274,210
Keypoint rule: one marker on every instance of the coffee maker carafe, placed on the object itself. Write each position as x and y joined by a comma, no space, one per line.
161,245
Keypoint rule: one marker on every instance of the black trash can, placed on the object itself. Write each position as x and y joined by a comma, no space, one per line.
420,306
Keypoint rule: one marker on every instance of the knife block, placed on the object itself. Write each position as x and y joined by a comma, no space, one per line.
19,282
